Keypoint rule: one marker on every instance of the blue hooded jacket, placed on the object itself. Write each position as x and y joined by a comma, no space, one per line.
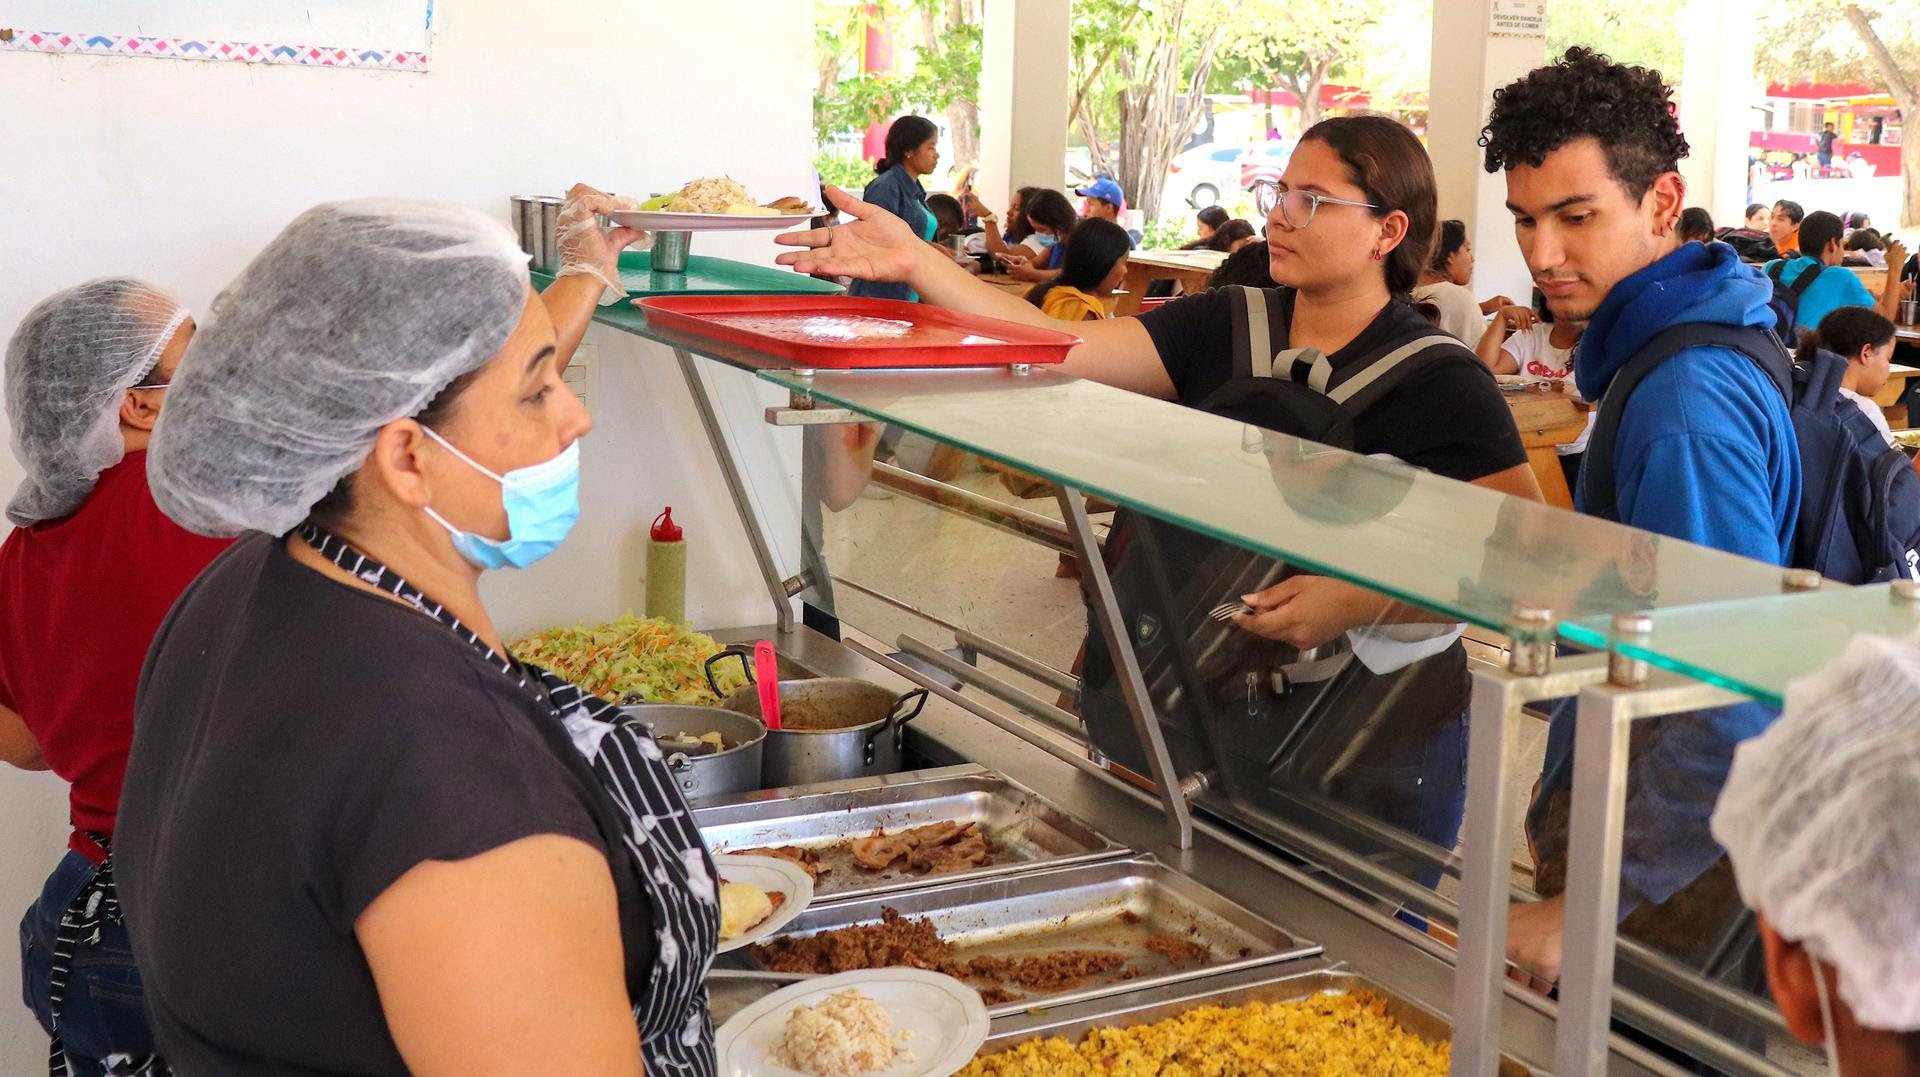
1706,453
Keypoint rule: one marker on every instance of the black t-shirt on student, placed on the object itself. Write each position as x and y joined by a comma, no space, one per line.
300,745
1448,418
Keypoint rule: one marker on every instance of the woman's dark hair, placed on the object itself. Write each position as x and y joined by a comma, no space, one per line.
1696,223
1753,208
947,213
1050,208
1213,217
1847,331
1866,239
1627,110
908,133
1090,254
1392,169
1250,265
331,509
1226,235
1017,227
1453,236
1856,219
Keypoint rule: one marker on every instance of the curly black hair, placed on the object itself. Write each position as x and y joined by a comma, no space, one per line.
1629,110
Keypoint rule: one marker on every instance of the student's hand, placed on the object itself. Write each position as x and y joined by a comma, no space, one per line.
1517,319
1536,936
1896,256
974,207
1024,270
875,245
1495,303
1307,611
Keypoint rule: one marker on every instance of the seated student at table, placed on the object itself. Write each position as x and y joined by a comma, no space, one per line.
1865,340
990,239
1866,248
1094,265
1818,819
1696,225
1834,286
1232,236
1104,201
1443,285
1751,240
913,151
1349,226
1248,266
1783,227
1052,219
1206,223
948,222
1530,342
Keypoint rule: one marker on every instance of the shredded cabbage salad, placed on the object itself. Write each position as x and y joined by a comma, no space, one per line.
658,659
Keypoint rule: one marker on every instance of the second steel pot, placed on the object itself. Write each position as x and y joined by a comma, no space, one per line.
734,770
833,728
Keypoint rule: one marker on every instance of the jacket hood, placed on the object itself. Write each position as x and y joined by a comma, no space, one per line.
1697,283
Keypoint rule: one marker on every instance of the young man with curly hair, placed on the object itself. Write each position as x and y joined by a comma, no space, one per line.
1705,451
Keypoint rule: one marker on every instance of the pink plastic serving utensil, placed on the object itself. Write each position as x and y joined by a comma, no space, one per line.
766,677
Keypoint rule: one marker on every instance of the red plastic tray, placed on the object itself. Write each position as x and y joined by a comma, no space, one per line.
839,332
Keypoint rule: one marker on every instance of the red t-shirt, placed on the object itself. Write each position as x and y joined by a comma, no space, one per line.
80,600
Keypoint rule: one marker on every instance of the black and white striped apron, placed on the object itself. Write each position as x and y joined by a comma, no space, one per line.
96,903
676,873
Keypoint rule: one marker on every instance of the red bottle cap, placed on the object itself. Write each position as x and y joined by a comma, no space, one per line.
664,529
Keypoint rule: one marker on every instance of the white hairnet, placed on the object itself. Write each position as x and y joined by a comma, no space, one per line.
1821,817
357,314
68,363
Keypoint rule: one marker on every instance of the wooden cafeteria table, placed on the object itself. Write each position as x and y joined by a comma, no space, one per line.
1014,286
1190,268
1547,419
1898,375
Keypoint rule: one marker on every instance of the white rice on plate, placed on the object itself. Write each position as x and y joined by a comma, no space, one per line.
710,195
845,1034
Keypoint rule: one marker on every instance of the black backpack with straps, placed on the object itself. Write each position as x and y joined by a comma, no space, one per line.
1786,297
1259,709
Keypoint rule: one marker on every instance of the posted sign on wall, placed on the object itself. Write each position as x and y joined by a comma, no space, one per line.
1518,18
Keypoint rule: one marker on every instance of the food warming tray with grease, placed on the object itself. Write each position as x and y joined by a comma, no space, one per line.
1019,829
1049,937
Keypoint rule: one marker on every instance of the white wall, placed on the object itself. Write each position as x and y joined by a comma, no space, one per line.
179,171
1717,90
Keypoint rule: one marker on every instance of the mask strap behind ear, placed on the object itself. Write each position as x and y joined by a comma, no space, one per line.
1826,1016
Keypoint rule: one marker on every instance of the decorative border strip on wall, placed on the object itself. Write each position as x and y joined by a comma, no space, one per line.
182,48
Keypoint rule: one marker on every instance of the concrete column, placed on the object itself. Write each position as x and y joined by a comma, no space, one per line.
1469,63
1024,94
1717,91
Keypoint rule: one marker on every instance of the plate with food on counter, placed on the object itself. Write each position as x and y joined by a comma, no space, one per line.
715,204
759,895
632,659
892,1022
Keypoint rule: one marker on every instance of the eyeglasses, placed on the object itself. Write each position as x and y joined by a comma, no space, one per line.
1296,207
151,385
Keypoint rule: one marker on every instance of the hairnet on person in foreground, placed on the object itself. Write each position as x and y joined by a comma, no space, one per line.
69,364
1821,817
359,313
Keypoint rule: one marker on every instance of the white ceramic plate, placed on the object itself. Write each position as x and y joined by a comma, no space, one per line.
774,875
946,1017
653,220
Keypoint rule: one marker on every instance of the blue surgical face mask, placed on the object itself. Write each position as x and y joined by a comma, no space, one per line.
1046,241
542,502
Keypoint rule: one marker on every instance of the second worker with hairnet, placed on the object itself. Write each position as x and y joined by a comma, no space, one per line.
85,578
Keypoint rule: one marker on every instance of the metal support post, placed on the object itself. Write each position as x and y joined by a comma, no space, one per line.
737,487
1113,629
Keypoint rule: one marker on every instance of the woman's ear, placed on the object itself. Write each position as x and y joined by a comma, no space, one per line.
140,408
1790,972
395,464
1393,229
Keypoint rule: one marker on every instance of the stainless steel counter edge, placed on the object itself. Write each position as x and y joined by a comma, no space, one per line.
1368,940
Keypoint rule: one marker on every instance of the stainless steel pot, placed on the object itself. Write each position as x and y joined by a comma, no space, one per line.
733,770
833,728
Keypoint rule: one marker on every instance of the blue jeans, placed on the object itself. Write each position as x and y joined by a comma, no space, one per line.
1417,784
104,1012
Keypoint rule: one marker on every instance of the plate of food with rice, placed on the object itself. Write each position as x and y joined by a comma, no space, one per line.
715,204
892,1022
759,895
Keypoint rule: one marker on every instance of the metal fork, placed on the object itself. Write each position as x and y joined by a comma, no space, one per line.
1225,612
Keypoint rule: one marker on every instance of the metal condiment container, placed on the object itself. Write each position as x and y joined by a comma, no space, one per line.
524,211
670,251
547,258
733,770
1910,312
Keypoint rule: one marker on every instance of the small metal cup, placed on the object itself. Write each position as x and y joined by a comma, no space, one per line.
547,258
1910,312
525,214
670,251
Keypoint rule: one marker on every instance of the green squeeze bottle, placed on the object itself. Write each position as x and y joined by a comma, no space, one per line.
667,570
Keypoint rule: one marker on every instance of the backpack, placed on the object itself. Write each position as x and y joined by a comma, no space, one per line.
1859,515
1752,247
1786,297
1256,712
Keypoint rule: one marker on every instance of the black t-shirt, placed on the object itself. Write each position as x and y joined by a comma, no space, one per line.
1448,418
299,745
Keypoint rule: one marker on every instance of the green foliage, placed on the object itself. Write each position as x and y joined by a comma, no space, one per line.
946,72
1812,41
1646,35
847,173
1168,233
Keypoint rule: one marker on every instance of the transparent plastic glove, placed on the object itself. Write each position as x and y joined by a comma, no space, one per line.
590,250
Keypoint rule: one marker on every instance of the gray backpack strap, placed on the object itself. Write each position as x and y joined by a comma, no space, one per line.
1372,381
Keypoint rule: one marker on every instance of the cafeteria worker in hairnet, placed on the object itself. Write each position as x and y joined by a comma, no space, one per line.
357,835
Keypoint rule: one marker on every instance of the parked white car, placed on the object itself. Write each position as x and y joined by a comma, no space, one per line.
1204,175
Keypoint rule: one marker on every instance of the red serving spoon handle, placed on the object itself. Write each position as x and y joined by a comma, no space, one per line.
766,677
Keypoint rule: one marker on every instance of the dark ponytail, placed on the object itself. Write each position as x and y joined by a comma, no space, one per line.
1847,332
908,133
1089,255
1393,169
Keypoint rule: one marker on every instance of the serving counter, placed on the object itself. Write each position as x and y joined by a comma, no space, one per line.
956,584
